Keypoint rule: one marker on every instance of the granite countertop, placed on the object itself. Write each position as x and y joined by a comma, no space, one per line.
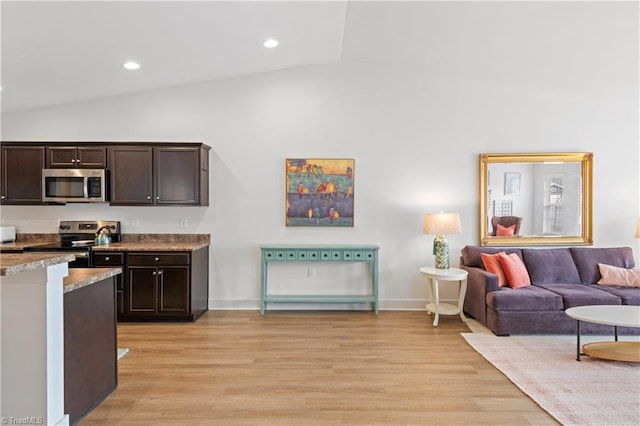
15,263
151,246
130,242
81,277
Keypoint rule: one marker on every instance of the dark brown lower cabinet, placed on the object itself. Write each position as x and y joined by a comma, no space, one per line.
166,286
90,347
103,259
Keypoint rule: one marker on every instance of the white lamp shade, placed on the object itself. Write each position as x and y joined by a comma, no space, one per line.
441,223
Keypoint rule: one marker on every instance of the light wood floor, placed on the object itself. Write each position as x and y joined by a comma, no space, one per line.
309,368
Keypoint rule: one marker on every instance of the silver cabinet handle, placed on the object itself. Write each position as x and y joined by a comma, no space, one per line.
149,197
106,259
157,258
153,273
159,272
157,198
3,197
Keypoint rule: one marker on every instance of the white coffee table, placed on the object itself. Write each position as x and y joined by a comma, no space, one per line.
616,315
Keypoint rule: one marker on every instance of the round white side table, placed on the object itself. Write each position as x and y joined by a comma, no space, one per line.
434,277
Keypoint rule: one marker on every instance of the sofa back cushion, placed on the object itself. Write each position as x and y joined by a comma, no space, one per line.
587,259
551,266
471,254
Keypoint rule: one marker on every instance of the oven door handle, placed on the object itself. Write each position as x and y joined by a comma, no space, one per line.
79,255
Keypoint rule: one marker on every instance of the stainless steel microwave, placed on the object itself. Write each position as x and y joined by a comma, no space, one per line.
74,185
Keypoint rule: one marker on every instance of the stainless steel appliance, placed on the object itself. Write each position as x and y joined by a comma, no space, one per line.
74,185
78,238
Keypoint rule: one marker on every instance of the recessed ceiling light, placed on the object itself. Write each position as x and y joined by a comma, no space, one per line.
131,65
270,43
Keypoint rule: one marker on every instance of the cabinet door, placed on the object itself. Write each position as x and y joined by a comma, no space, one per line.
173,290
91,157
141,281
21,174
61,157
131,175
177,172
114,259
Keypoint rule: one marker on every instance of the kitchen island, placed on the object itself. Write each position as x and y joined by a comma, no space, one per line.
32,323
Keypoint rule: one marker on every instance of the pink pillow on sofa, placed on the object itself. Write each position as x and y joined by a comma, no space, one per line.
505,231
515,271
492,264
613,275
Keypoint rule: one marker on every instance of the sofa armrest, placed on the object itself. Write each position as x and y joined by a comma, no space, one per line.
479,283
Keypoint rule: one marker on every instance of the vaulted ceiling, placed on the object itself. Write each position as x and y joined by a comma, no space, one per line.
59,52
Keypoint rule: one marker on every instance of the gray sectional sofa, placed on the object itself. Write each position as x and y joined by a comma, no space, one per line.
561,278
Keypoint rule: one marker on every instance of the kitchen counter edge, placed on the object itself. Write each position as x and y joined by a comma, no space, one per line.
151,246
16,263
82,277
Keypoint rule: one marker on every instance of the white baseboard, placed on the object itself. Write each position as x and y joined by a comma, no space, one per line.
385,304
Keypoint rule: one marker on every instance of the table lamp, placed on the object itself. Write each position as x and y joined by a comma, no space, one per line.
441,224
638,229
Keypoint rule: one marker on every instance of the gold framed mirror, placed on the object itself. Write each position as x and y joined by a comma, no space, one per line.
536,199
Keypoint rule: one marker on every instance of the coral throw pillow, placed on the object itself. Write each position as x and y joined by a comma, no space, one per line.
514,270
505,231
492,264
612,275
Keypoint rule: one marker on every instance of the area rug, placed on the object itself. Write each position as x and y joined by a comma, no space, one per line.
122,352
589,392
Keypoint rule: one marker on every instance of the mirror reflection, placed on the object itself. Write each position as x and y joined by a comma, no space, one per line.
535,199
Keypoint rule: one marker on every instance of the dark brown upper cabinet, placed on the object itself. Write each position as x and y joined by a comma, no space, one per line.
21,174
139,173
79,157
161,174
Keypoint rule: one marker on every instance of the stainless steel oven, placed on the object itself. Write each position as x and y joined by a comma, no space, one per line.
78,238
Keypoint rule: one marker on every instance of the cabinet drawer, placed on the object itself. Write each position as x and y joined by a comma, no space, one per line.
154,259
108,259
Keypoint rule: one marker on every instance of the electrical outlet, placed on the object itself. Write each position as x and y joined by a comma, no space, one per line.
182,221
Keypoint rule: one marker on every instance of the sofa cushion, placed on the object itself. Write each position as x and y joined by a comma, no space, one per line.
492,264
628,295
612,275
471,254
529,298
547,266
514,270
587,259
580,295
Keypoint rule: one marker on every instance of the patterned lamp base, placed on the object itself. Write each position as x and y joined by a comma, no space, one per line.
441,251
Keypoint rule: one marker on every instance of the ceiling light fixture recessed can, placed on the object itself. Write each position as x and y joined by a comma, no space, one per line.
270,43
131,65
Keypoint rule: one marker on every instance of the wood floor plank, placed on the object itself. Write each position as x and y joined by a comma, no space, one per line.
309,368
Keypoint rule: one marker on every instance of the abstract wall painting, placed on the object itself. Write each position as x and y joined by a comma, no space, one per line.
319,192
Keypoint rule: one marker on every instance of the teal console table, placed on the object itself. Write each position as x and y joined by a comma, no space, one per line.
323,254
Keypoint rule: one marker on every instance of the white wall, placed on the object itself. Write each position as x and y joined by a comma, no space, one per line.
415,138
